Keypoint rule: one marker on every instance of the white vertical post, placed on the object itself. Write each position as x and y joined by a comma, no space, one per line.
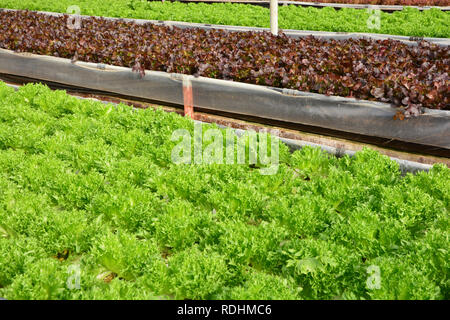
274,17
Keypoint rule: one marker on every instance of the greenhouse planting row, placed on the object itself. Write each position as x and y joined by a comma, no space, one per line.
102,200
418,3
93,186
387,71
408,22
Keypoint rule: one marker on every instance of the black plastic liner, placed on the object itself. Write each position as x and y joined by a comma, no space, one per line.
342,114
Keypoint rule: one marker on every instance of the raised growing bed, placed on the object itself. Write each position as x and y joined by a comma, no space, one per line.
383,5
343,114
297,34
418,3
295,140
93,188
338,113
408,22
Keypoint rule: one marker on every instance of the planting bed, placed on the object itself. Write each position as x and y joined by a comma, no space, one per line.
408,22
442,3
411,3
91,187
431,130
93,206
387,71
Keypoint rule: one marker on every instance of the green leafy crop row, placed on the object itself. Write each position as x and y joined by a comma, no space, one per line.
409,22
91,187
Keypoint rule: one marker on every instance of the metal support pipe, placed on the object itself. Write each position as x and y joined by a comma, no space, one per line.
274,17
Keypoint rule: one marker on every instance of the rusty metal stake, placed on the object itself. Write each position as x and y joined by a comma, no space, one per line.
188,97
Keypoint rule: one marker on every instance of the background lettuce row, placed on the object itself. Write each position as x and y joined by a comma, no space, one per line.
91,185
408,22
